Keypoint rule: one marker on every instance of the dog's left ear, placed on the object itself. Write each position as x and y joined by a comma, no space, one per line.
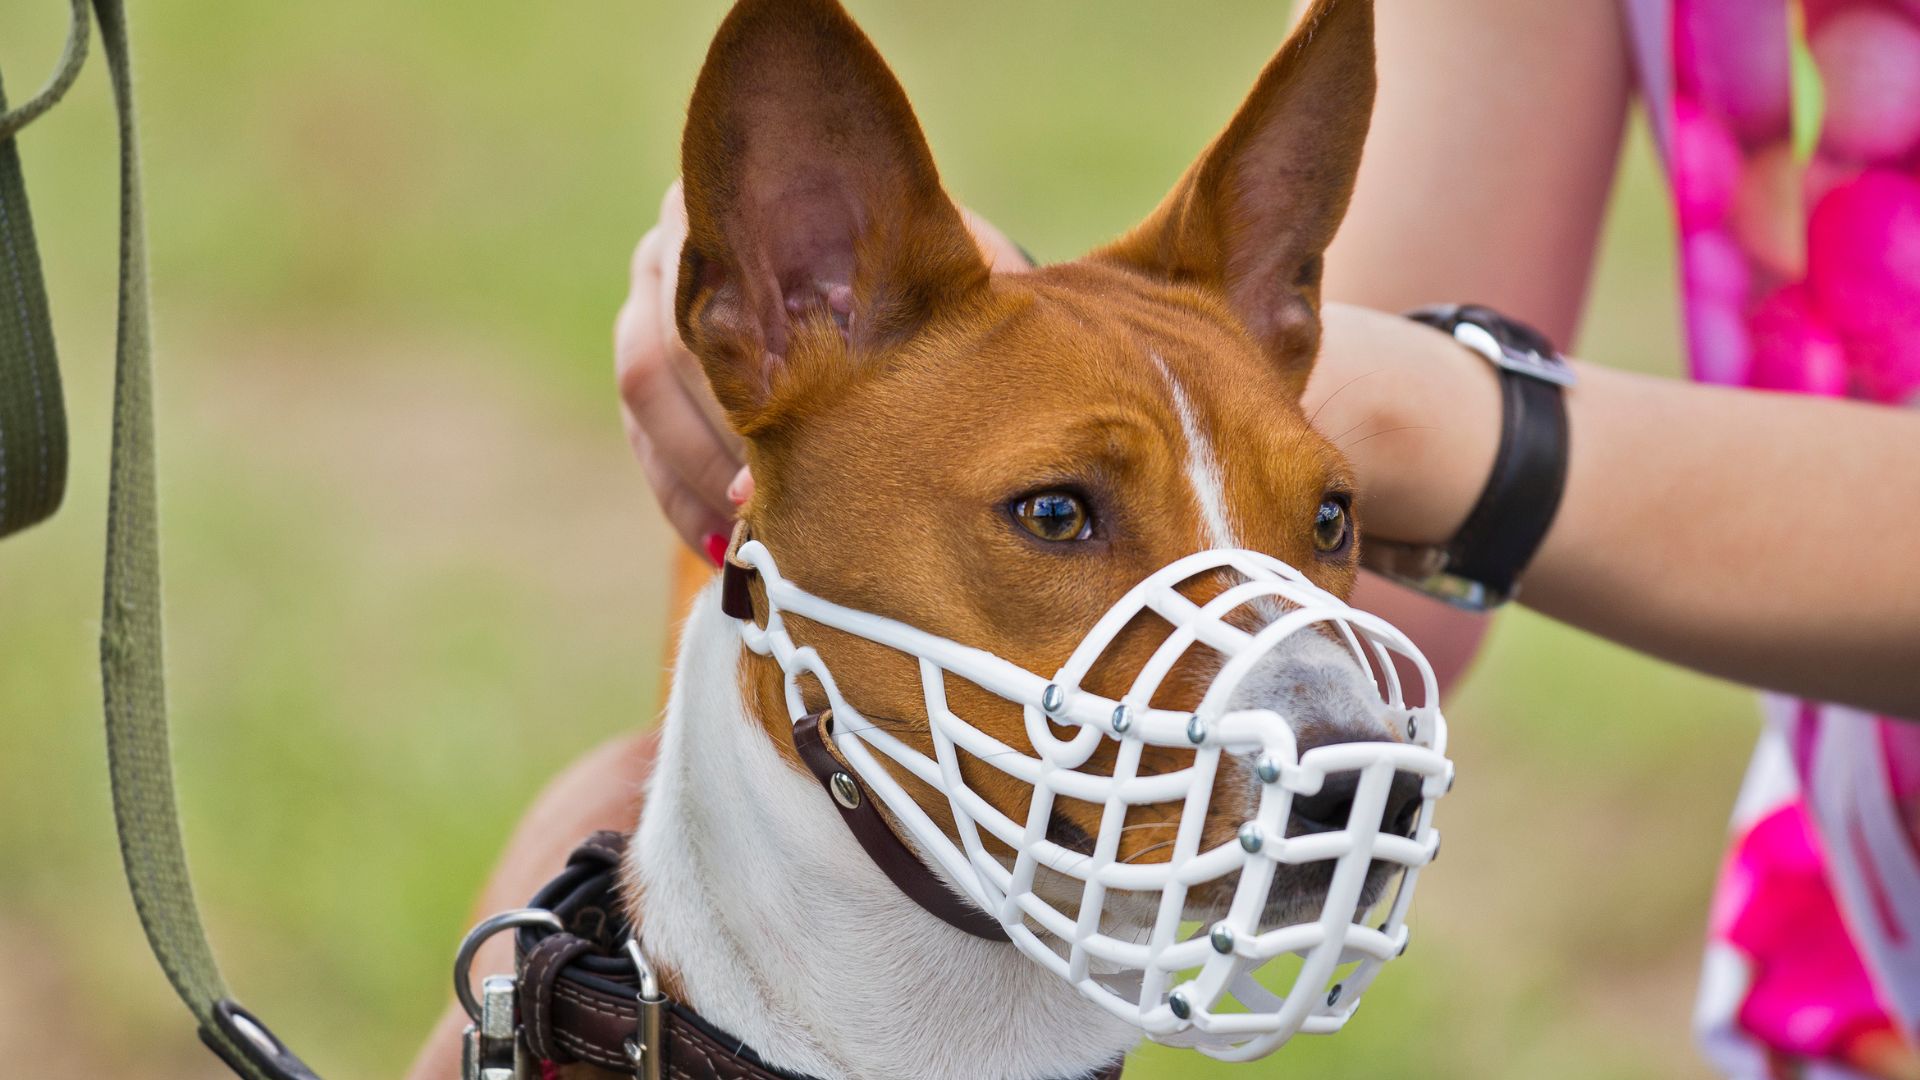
1254,214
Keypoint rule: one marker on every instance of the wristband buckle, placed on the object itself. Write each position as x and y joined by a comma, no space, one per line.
1424,568
1518,349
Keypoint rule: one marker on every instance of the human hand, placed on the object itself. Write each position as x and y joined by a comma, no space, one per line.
692,458
1417,415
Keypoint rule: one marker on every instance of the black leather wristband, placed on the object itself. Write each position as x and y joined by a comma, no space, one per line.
1508,523
1481,566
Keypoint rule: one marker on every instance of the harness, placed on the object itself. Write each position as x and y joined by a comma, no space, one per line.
582,995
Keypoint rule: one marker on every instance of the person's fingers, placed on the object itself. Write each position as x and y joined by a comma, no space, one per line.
685,510
673,205
741,487
634,332
658,405
654,401
645,255
1002,254
686,367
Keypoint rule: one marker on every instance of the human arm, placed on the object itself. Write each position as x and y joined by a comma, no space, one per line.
1766,538
1485,179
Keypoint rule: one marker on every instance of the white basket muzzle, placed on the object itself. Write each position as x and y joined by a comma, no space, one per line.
1305,902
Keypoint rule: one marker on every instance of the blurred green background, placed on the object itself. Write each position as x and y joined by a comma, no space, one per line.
413,571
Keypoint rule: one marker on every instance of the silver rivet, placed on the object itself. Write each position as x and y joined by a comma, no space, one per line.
1196,729
845,791
1177,1001
1222,938
1251,837
1436,848
1413,728
1268,770
1053,699
1333,995
1122,719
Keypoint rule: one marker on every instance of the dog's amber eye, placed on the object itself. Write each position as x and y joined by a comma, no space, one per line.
1332,528
1053,515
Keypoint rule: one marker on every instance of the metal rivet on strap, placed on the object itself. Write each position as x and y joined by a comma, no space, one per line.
845,791
1177,1001
1333,995
1222,938
1053,699
1268,770
1122,719
1251,837
1196,729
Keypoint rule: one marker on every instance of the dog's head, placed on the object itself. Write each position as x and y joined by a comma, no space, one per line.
997,458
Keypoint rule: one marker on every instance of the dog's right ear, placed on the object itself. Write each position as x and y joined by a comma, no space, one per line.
817,230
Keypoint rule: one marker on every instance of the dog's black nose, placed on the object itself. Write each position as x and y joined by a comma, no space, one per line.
1331,809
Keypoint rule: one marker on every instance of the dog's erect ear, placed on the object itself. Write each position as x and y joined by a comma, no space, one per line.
1254,214
816,224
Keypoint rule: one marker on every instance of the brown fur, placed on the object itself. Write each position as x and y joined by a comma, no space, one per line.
888,434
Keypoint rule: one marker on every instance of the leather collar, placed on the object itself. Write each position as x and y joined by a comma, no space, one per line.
577,995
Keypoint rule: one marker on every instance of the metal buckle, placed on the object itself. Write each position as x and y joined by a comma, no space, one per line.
1463,593
1424,568
491,1047
1542,366
645,1052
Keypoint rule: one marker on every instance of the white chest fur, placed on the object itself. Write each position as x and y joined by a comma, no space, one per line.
784,934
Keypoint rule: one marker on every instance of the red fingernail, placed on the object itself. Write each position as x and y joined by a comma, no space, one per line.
716,544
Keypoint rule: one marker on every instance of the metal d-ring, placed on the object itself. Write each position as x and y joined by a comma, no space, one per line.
476,937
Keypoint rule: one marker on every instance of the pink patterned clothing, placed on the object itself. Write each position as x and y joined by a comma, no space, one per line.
1791,134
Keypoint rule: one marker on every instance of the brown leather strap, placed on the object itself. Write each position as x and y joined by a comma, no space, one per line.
869,826
736,578
882,844
538,974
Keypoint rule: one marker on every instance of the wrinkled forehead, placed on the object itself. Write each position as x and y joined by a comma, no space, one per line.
1084,375
1081,342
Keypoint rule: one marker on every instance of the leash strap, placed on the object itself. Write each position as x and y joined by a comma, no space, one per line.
33,426
33,458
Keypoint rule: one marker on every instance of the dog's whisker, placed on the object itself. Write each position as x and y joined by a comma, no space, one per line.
1143,852
1388,431
1337,393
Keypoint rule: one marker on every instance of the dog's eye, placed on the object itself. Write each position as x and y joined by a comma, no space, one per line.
1332,526
1053,515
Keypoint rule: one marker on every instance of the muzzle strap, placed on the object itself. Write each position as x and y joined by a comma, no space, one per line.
856,804
736,578
861,813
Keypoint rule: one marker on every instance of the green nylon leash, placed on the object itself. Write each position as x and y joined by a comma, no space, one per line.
33,426
33,458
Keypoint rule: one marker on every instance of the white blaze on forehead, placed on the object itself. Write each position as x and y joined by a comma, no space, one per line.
1203,468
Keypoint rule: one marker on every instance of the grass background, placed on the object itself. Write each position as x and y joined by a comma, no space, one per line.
412,570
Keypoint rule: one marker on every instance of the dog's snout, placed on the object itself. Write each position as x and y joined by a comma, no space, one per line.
1331,808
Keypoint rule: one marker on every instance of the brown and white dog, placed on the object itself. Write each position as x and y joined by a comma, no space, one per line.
994,459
